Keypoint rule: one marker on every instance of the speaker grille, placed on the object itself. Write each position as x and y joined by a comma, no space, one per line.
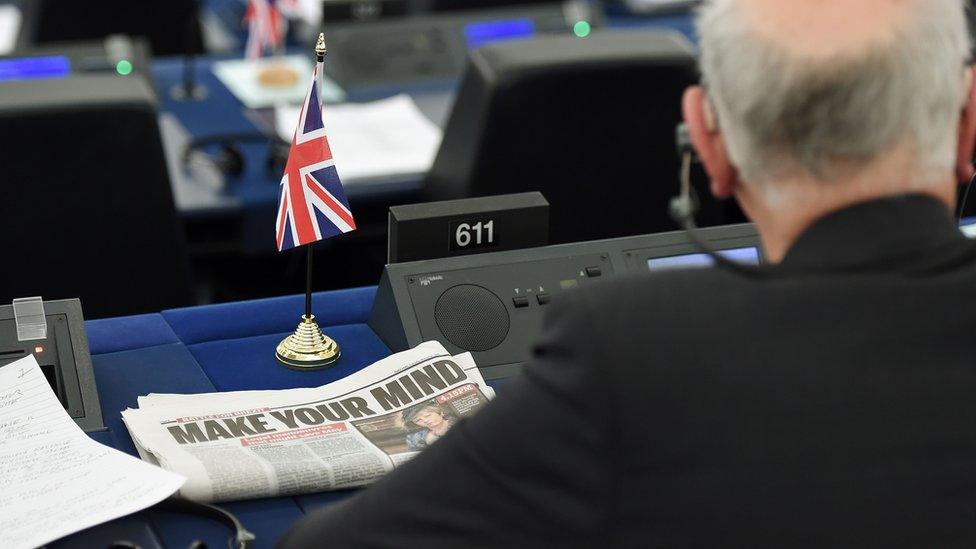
472,317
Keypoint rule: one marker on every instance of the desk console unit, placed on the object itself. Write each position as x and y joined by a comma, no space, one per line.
492,304
62,355
435,46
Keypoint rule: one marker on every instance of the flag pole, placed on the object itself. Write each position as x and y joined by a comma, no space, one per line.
320,51
308,348
308,282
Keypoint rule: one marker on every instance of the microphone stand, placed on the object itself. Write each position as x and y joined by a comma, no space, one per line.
189,89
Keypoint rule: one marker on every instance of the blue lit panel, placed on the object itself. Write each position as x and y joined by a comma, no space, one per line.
748,256
26,68
487,32
968,226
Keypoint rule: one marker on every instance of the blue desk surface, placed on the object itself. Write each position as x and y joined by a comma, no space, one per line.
223,347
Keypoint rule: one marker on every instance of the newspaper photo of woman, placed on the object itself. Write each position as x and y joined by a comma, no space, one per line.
403,432
434,421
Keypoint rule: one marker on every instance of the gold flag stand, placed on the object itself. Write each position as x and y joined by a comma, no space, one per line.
308,348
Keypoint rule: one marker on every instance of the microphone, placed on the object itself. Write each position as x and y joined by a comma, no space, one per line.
684,206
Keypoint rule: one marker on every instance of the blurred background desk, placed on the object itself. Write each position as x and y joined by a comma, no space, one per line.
227,227
221,113
218,238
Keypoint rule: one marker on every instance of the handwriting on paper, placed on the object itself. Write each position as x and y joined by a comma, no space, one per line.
55,479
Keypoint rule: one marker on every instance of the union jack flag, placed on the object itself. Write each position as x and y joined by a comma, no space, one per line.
312,205
267,25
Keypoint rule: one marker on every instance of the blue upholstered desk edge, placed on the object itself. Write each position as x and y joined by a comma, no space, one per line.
223,347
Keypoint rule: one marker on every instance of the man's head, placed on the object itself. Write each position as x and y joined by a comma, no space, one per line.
828,102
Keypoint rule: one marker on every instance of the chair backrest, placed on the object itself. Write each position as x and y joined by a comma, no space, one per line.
85,197
588,122
172,26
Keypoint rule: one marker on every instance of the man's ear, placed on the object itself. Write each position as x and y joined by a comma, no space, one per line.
967,131
707,140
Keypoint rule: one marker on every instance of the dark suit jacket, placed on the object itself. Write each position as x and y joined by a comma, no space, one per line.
831,403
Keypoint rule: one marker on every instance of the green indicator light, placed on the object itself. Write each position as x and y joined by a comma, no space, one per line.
123,67
581,29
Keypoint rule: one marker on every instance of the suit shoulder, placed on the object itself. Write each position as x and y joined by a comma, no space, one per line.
643,309
661,292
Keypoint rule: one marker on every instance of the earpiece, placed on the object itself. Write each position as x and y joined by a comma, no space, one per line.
682,140
684,206
229,159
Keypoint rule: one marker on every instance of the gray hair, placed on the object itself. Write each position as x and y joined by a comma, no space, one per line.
784,114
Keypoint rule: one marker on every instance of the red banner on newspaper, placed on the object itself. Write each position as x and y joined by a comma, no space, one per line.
310,432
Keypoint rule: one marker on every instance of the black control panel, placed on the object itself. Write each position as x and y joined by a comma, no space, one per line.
63,357
434,47
117,54
492,304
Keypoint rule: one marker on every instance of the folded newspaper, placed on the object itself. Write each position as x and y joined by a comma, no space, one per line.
252,444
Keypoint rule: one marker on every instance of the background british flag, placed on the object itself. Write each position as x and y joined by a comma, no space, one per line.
267,25
312,204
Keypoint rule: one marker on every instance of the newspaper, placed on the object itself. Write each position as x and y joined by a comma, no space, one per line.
252,444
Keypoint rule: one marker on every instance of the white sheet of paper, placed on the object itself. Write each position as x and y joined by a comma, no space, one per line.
241,78
382,138
56,480
9,27
310,11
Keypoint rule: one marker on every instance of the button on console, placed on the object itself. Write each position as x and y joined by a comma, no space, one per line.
520,301
593,271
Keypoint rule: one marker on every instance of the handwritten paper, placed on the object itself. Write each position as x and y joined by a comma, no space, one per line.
55,480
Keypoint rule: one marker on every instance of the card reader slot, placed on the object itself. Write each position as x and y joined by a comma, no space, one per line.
51,373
